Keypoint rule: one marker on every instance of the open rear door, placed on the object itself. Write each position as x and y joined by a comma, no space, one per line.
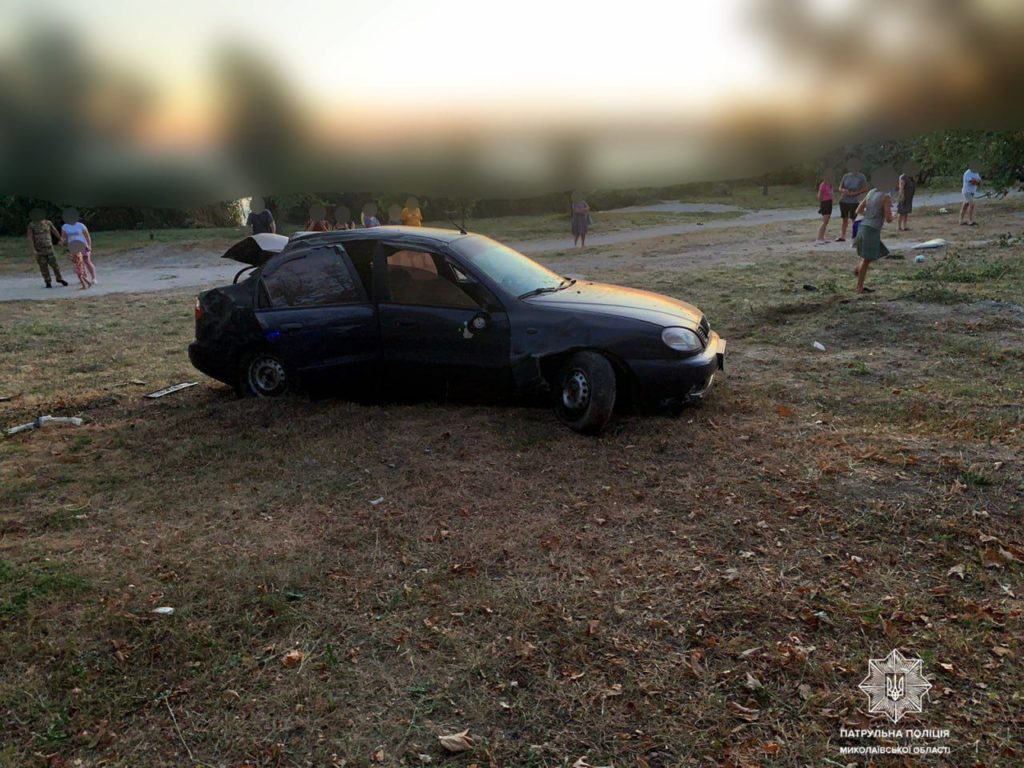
256,249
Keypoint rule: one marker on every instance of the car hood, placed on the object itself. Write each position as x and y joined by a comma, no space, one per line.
256,249
604,299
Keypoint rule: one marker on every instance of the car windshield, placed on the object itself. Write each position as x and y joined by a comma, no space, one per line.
507,267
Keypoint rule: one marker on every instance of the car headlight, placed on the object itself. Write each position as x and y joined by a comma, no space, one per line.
682,340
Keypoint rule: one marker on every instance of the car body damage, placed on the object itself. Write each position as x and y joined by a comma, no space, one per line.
400,304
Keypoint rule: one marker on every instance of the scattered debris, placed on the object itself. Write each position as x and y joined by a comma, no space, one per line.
6,398
957,570
164,610
809,287
169,390
943,210
293,658
919,258
137,382
41,420
457,742
819,346
377,501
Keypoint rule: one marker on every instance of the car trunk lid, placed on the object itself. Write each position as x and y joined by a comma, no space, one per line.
256,249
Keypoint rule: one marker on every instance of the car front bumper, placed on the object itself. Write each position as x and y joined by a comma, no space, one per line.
678,381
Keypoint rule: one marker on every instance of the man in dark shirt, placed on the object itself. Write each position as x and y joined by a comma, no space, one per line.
260,220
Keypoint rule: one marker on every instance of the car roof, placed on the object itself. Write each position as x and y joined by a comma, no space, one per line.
412,235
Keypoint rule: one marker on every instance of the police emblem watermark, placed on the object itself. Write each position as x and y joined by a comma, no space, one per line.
895,686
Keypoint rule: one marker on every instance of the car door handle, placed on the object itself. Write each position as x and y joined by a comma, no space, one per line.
291,326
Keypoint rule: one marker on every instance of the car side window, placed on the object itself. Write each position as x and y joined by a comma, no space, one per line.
421,278
321,278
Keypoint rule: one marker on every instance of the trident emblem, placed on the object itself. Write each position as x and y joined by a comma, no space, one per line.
895,685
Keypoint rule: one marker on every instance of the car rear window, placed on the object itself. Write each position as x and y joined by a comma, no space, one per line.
321,278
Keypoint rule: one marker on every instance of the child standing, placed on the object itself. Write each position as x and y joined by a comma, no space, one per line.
824,205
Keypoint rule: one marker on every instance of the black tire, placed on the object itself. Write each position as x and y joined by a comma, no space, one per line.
584,392
263,374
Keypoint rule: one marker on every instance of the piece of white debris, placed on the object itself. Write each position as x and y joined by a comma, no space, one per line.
375,502
72,420
819,346
164,610
169,390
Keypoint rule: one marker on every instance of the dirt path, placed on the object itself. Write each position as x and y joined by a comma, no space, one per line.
164,268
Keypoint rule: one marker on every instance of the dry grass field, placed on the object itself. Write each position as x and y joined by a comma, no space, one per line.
350,582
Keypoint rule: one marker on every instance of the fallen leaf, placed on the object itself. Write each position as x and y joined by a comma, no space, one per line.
377,756
784,412
744,713
805,691
993,557
1002,650
957,570
457,742
293,658
753,683
771,748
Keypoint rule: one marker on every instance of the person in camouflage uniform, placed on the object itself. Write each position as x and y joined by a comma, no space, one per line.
40,238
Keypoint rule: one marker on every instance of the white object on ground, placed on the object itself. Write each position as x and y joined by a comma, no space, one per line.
943,210
375,502
919,258
164,610
169,390
930,245
72,420
819,346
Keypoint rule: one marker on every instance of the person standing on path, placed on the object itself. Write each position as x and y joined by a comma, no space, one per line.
876,209
260,220
412,216
579,213
972,181
824,204
40,239
905,201
74,233
317,219
852,188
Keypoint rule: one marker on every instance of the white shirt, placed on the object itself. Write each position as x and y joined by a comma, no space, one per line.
74,232
968,176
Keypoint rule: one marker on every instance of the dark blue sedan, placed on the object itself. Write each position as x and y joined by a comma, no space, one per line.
405,305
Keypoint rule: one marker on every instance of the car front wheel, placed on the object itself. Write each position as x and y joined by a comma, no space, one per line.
262,374
585,393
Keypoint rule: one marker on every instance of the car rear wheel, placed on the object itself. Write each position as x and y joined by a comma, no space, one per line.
262,374
585,393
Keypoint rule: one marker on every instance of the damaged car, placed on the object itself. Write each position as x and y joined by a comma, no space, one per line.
402,306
